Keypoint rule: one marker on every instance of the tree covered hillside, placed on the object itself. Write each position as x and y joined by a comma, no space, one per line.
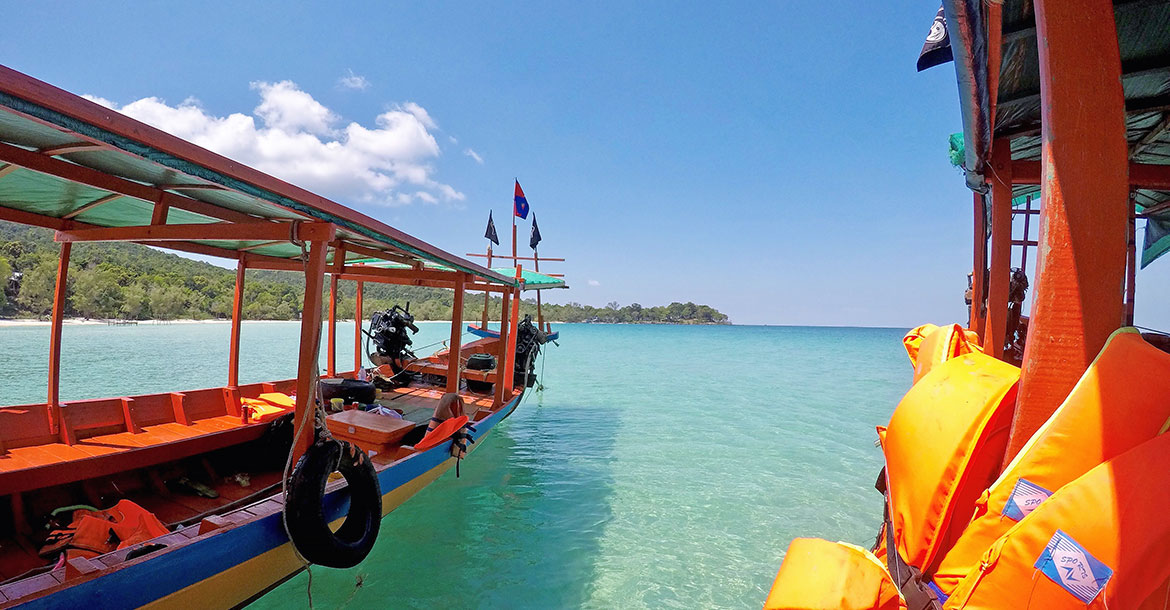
122,280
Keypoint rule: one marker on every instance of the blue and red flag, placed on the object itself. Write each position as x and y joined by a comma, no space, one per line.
520,207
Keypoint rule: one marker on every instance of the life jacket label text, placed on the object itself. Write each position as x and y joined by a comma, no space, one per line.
1069,565
1024,499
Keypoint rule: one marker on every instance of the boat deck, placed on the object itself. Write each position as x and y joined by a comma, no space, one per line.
142,463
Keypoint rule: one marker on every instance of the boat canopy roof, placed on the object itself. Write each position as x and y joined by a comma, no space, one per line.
530,280
1143,33
533,280
69,164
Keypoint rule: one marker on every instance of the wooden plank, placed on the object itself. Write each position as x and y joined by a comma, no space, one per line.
201,231
93,204
999,280
178,400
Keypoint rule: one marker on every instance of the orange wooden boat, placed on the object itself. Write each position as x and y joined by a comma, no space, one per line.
1027,466
180,498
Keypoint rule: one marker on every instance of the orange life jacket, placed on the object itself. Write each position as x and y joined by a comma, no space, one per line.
821,575
943,447
1101,541
1108,412
94,532
929,345
441,432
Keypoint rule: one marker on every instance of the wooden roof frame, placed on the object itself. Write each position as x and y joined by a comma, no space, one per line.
100,129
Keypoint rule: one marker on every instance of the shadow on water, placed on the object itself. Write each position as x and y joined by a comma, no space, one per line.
519,528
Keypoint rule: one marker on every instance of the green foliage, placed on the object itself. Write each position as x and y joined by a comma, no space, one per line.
37,286
109,280
5,273
96,293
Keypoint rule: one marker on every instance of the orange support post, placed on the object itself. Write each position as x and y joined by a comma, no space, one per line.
504,362
357,328
999,276
1083,184
454,360
979,268
331,350
307,362
510,347
55,341
237,320
539,313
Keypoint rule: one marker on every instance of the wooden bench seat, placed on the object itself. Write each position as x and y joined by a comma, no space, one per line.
40,466
436,368
100,437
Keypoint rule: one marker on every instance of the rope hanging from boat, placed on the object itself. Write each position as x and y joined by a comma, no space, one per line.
294,238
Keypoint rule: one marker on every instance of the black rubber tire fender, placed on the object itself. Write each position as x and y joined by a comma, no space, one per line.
305,510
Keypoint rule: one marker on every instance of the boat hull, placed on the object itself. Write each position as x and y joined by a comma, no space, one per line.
234,565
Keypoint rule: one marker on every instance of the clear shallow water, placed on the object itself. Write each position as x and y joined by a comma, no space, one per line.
662,466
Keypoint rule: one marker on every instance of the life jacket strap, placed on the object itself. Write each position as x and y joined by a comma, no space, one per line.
919,592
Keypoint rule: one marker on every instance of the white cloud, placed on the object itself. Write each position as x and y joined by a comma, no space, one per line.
100,101
285,107
594,283
353,81
474,155
296,138
420,113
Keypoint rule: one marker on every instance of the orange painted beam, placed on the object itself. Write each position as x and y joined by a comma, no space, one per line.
403,281
250,231
510,347
36,220
310,344
54,402
385,255
384,274
160,213
358,317
994,21
331,349
979,267
1084,190
999,275
1141,175
519,258
504,362
455,362
271,263
237,321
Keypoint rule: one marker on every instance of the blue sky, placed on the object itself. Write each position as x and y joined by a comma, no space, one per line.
781,161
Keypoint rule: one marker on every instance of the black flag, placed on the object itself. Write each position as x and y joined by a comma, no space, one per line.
937,49
491,230
535,238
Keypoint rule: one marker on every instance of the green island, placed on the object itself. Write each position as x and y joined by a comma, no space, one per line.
133,282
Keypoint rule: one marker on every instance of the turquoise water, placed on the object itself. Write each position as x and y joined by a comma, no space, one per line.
662,466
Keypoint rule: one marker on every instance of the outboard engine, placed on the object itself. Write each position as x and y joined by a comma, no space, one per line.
529,338
391,342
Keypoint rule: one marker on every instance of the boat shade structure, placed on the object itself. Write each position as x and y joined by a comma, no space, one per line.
94,175
70,164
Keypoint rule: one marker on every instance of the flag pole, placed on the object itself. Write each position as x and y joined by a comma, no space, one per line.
487,295
536,267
